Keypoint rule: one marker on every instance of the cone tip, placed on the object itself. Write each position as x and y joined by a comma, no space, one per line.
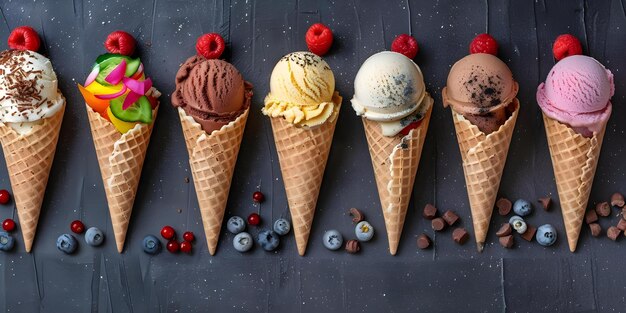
212,249
480,246
120,246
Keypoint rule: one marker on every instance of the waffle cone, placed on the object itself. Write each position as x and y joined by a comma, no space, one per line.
574,160
29,159
212,158
120,157
302,153
483,162
395,160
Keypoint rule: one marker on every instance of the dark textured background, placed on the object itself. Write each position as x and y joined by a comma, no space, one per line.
448,278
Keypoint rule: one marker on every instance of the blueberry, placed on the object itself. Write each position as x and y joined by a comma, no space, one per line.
282,226
268,240
151,244
333,240
235,225
94,236
6,241
67,243
546,235
364,231
522,207
518,224
243,242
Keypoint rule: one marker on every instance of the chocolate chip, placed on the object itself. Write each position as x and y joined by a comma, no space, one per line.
529,234
621,225
591,217
450,217
423,241
353,246
504,206
596,229
617,199
545,203
504,230
356,215
460,235
507,241
603,209
613,232
430,211
438,224
187,180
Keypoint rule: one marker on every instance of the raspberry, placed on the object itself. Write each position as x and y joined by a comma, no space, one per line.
120,42
566,45
319,38
24,38
406,45
211,45
484,43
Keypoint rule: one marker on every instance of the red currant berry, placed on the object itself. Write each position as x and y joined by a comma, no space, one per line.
77,227
8,225
188,236
173,246
5,196
168,232
258,197
254,219
185,246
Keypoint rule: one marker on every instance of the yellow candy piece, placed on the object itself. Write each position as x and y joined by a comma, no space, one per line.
98,89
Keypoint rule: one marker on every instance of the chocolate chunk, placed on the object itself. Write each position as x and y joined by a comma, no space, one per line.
423,241
438,224
430,211
603,209
504,230
591,217
353,246
460,235
507,241
529,234
621,225
617,199
187,180
504,206
613,232
624,213
356,215
596,229
545,203
450,217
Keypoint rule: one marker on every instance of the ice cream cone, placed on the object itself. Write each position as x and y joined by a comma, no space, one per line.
29,159
395,160
212,158
574,159
483,162
302,153
120,157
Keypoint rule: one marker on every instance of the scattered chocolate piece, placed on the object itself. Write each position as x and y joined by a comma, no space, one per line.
596,229
621,225
624,213
423,241
356,215
603,209
430,211
438,224
504,206
187,180
529,234
545,203
507,241
617,199
613,233
353,246
460,235
591,217
504,230
450,217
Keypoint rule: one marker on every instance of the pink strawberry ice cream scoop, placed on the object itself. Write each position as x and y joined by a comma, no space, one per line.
577,92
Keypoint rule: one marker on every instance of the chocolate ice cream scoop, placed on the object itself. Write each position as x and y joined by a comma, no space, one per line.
212,91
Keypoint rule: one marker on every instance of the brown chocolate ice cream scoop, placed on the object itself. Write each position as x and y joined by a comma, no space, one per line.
211,91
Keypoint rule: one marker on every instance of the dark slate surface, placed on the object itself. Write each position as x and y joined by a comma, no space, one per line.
448,278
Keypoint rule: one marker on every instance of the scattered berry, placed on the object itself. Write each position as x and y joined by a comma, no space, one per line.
94,236
188,236
518,224
173,246
254,219
319,39
333,240
6,241
120,42
522,207
282,226
168,232
211,45
77,227
484,43
268,240
242,242
151,244
364,231
546,235
185,247
235,225
405,44
24,38
566,45
67,243
5,196
258,197
8,225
